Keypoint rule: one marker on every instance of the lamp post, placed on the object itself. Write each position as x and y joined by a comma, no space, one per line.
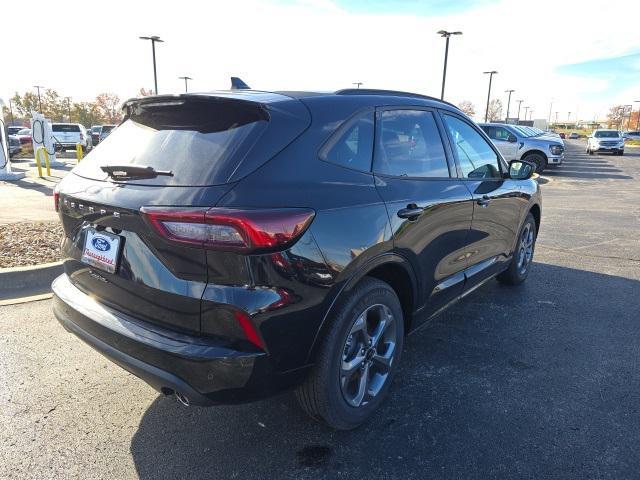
154,39
508,104
68,99
519,105
446,35
357,84
186,79
38,87
550,107
491,74
10,112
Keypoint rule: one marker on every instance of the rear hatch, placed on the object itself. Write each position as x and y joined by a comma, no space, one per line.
171,151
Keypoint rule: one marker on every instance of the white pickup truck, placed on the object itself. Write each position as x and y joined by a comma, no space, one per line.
68,135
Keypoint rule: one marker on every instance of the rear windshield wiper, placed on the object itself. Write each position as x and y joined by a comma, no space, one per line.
126,172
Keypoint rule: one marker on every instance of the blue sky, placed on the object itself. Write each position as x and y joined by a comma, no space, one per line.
620,72
557,52
411,7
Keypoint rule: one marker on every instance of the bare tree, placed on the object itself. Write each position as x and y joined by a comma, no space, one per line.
467,107
495,110
145,92
616,116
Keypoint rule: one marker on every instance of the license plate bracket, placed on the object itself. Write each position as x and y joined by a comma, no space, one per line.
101,250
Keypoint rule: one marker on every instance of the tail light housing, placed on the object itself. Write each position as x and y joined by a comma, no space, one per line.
239,230
56,198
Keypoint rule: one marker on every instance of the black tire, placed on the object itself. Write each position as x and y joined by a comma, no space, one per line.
323,395
590,152
519,268
539,160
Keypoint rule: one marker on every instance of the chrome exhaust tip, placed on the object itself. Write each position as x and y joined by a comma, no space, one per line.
182,399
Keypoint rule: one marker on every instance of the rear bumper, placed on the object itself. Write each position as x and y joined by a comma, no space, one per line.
202,369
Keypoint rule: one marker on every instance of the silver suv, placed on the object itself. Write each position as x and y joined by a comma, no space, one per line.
518,142
602,140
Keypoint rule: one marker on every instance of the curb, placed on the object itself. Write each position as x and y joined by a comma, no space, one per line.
17,282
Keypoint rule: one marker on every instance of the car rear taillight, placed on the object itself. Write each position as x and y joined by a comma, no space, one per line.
241,230
56,198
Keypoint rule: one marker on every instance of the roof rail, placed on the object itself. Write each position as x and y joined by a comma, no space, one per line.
396,93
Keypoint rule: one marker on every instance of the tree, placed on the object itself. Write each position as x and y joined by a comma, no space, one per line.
108,107
467,107
145,92
615,116
495,110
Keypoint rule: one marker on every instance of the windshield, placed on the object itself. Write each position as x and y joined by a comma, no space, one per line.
522,131
606,134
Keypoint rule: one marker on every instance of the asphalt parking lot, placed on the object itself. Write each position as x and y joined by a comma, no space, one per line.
538,381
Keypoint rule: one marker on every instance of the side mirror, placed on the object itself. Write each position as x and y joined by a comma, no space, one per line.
521,169
512,138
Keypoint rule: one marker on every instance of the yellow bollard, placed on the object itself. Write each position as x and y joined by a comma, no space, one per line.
46,161
37,159
79,152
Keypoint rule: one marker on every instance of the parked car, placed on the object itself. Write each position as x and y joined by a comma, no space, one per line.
24,135
105,130
13,129
604,140
574,135
631,135
14,145
68,135
299,254
95,134
516,142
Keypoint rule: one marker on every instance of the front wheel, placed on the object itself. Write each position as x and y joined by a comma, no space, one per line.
520,265
539,160
357,359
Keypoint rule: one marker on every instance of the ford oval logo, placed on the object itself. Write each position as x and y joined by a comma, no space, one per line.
100,244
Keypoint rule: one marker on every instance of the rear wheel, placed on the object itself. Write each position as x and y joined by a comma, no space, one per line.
539,160
357,359
523,256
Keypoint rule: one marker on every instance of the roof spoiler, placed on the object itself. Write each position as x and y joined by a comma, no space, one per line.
238,84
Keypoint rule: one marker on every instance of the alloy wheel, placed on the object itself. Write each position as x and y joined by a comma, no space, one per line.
525,249
368,355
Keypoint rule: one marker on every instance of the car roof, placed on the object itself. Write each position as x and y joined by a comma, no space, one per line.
374,96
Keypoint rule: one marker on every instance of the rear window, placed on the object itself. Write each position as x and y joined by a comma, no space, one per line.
95,129
107,128
200,142
56,127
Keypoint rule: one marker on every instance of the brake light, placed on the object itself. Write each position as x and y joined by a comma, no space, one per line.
242,230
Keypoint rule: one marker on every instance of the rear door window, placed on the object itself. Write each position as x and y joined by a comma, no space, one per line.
409,145
352,146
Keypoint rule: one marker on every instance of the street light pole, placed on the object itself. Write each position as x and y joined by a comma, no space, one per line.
519,104
154,39
68,99
550,107
445,34
38,87
491,74
508,104
357,84
186,79
11,112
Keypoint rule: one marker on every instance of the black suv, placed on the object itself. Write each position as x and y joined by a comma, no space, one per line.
226,246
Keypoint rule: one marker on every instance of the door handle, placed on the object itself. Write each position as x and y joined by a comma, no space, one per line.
484,201
411,212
